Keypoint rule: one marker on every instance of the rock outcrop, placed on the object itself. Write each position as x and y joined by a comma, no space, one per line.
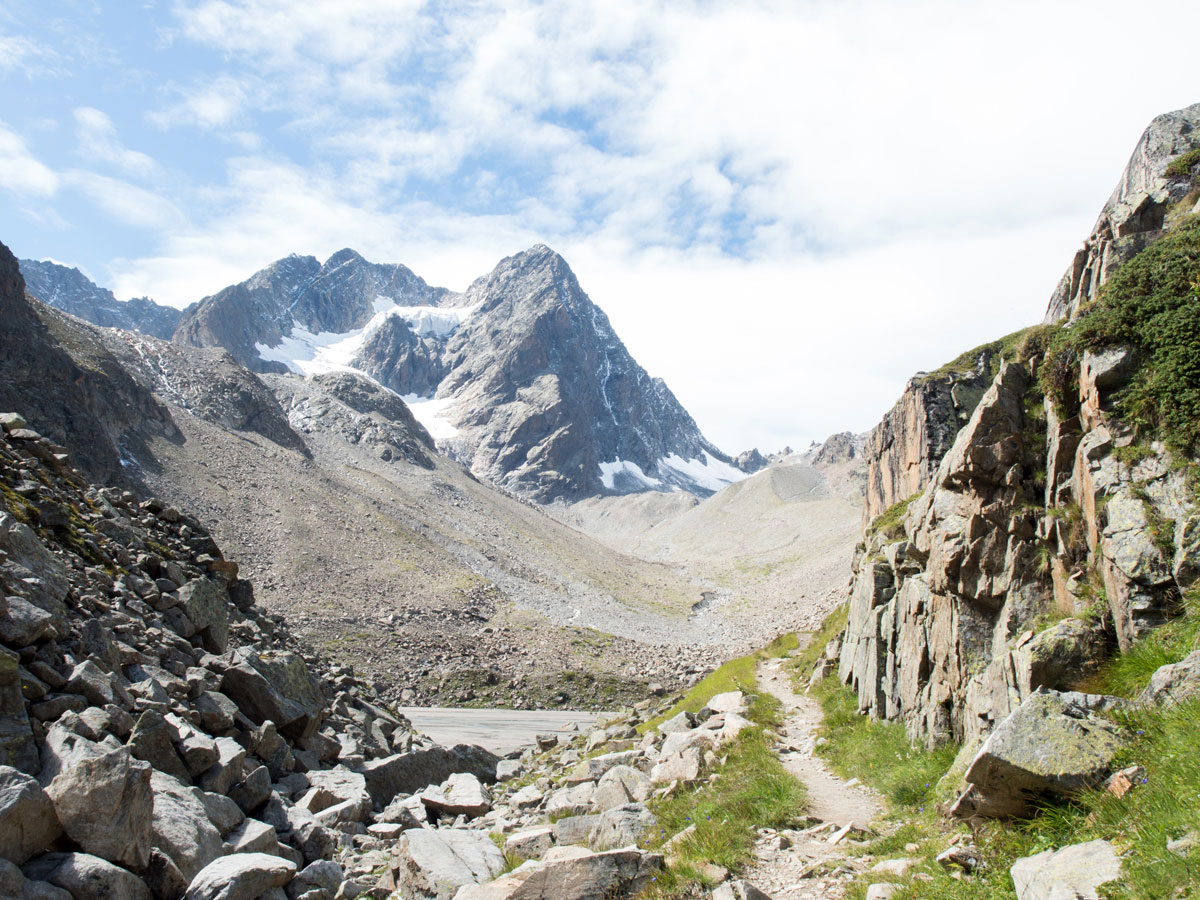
1135,214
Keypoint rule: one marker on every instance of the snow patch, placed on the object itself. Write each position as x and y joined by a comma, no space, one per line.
610,470
431,413
709,473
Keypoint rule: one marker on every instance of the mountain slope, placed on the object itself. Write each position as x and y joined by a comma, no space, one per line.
521,377
71,291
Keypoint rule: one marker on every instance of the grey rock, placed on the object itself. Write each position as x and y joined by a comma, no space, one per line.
324,874
574,829
222,812
181,825
217,712
407,773
227,771
1050,745
25,624
613,875
206,603
17,748
1174,682
151,741
530,843
621,827
276,687
1076,872
461,794
253,790
28,824
433,865
242,876
738,889
253,836
86,877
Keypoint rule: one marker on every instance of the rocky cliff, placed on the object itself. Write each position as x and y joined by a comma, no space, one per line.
67,289
1060,521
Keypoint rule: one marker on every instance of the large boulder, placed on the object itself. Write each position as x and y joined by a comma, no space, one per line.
1175,682
581,875
461,794
182,828
434,864
623,826
621,785
1052,744
1071,873
408,773
86,877
102,797
242,876
206,603
276,686
28,823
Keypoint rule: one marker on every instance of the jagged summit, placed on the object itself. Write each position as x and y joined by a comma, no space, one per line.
68,289
521,377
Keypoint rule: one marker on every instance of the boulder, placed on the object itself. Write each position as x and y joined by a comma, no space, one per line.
1175,682
253,790
181,826
1051,744
571,801
684,767
621,827
205,601
151,741
531,843
324,874
253,836
408,773
276,686
613,875
684,721
227,770
738,889
17,748
242,876
574,829
217,712
598,765
86,877
434,864
461,794
730,701
1075,872
104,801
28,823
24,623
621,785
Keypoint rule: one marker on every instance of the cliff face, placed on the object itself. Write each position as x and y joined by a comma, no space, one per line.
903,451
1136,213
1047,532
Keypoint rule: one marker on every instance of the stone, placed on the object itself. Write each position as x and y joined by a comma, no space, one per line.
199,752
253,836
181,826
530,843
434,864
882,890
253,790
621,785
324,874
738,889
17,747
1050,745
898,867
408,812
217,712
408,773
683,721
163,877
91,682
574,829
151,741
613,875
461,794
621,827
242,876
276,686
965,856
105,803
86,877
227,770
683,767
574,800
508,769
222,812
24,623
1174,682
28,823
727,702
1074,872
205,601
598,765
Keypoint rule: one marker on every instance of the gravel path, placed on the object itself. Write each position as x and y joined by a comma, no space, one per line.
812,863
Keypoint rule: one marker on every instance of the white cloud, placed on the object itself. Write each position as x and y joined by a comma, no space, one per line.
124,202
212,104
20,172
97,137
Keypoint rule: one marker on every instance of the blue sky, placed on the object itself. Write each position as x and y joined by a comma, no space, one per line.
785,208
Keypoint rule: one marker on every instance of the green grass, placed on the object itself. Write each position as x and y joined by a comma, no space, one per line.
890,522
1150,304
1182,165
734,675
833,625
752,790
1018,346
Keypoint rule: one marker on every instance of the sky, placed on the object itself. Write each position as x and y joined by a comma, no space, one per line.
785,208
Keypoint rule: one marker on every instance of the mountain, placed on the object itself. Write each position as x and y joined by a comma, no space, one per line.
521,377
73,292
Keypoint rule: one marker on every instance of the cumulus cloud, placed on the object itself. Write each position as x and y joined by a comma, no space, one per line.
20,172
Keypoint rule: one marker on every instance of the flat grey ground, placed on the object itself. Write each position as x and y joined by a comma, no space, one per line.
499,730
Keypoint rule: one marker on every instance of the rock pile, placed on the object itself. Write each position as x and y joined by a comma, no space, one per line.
573,816
160,737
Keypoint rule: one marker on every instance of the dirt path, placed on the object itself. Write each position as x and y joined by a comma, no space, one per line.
812,863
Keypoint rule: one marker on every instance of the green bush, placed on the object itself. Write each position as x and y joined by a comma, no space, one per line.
1182,165
1150,304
